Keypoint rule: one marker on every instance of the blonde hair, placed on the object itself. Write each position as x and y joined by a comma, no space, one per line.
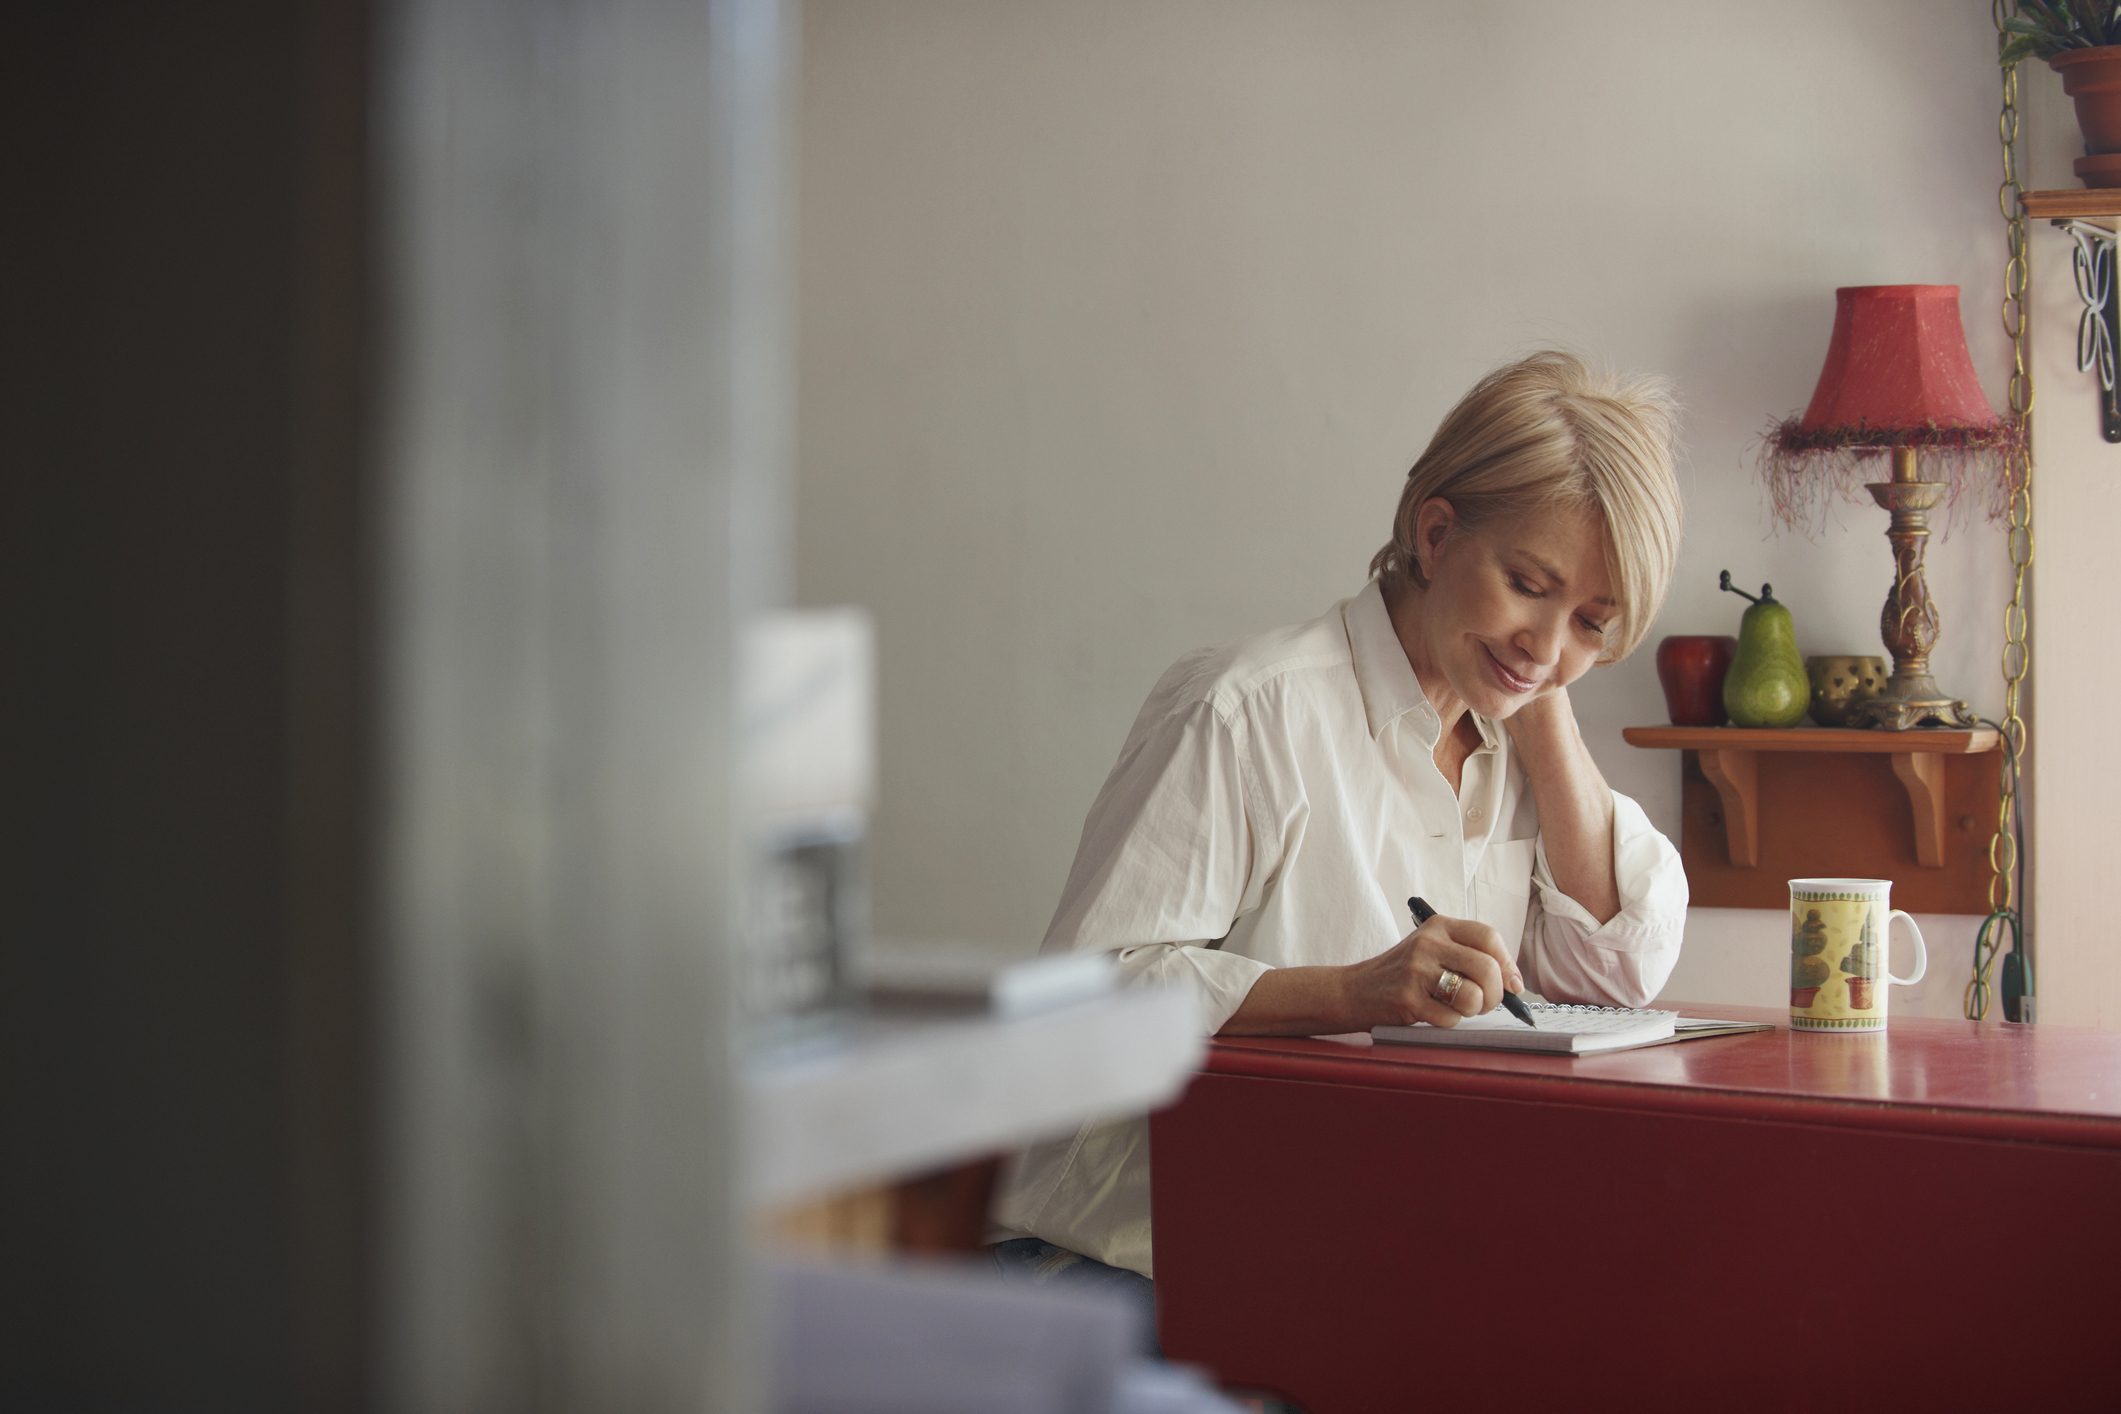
1547,433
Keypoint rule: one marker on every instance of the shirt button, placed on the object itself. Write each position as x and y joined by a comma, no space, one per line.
1474,814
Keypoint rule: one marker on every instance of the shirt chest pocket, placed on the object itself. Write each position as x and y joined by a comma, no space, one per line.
1502,888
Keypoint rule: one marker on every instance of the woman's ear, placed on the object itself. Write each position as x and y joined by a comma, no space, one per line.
1433,524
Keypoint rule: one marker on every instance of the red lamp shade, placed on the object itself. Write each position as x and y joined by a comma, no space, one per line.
1898,363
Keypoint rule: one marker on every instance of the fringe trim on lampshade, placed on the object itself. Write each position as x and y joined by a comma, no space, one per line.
1805,472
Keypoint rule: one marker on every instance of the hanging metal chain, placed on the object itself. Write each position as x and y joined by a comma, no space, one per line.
2005,906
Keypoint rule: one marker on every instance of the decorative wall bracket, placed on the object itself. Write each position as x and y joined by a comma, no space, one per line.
2099,326
1815,806
1736,775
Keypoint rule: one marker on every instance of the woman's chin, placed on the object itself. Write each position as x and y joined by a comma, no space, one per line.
1502,703
1499,699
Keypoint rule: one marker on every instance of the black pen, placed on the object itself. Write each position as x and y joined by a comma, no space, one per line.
1423,913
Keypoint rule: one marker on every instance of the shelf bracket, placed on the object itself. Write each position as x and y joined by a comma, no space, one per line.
2099,325
1823,804
1736,776
1921,773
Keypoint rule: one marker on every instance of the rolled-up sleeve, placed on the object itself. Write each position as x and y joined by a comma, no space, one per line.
1166,859
1570,956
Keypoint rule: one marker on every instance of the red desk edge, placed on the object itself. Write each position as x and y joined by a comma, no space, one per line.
1989,1080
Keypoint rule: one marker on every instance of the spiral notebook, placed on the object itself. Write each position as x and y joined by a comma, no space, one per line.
1566,1028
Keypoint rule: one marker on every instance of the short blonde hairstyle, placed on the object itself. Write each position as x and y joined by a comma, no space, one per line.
1548,433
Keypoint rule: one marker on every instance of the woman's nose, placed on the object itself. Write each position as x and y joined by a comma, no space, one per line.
1541,642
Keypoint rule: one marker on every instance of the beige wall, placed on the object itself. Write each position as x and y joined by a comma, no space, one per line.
1120,324
2076,751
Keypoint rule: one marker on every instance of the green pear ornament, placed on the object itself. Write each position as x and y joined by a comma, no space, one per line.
1766,685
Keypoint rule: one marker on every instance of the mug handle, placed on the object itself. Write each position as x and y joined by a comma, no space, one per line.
1922,957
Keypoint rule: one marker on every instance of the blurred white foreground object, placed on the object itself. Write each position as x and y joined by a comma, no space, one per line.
950,1340
806,753
945,977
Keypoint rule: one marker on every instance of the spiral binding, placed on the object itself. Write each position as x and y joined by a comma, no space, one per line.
1586,1009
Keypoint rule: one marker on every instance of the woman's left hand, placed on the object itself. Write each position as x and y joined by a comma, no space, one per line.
1547,720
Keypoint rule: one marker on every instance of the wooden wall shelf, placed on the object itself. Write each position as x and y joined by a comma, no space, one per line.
2075,204
1761,806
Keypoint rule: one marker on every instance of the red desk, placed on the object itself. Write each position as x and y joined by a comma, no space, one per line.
1925,1219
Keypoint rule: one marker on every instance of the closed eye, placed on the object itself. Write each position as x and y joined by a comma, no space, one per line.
1531,591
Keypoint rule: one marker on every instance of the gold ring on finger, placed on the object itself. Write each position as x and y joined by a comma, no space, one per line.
1447,985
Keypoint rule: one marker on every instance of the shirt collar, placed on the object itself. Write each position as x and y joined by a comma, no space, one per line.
1389,688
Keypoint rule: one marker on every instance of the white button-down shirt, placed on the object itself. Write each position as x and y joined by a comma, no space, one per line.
1275,804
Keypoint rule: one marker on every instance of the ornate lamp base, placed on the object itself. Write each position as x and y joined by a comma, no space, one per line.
1913,700
1909,623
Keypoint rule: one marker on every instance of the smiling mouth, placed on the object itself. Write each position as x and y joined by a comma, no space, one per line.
1510,680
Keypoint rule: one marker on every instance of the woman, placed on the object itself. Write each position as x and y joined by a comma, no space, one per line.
1279,799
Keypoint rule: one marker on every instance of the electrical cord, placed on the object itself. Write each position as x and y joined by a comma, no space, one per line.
2017,968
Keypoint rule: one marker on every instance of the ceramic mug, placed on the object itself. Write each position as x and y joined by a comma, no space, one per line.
1839,932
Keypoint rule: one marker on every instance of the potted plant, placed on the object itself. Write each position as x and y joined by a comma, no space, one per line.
1807,968
1861,965
2081,40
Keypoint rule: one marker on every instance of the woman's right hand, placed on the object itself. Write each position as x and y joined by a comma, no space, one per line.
1398,987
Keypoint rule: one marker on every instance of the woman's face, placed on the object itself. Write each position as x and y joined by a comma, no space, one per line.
1515,609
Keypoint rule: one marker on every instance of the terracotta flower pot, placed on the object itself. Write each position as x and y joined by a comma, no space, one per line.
1860,993
1802,996
2092,79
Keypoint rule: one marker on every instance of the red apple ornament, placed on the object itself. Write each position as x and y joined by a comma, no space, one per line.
1691,667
